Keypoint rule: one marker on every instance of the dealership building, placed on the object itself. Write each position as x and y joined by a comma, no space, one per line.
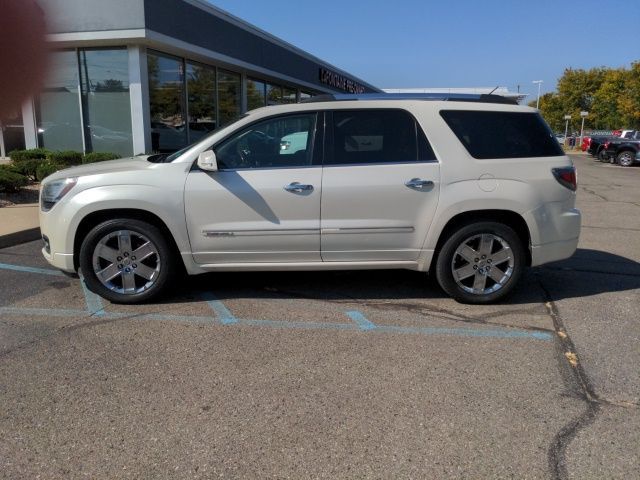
142,76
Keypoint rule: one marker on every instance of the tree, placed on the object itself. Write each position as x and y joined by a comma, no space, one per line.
552,109
629,99
605,110
610,95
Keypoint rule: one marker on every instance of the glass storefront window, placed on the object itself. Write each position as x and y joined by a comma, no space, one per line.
274,94
166,98
58,108
106,107
12,132
201,97
255,94
229,96
289,95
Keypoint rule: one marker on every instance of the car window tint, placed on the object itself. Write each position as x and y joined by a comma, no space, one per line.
377,136
277,142
502,134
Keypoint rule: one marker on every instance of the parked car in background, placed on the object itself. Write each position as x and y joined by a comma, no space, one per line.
624,151
600,138
586,141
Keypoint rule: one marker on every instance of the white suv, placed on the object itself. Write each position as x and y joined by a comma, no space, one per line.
469,188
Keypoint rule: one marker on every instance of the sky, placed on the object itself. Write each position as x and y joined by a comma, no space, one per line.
466,43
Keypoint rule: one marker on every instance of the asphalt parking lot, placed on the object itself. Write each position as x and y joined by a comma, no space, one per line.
333,375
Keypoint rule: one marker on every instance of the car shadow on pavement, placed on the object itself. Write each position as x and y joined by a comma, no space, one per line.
587,273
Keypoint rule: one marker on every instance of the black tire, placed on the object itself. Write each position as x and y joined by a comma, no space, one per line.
625,159
136,280
508,270
602,156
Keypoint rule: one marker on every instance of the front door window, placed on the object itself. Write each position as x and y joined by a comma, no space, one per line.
273,143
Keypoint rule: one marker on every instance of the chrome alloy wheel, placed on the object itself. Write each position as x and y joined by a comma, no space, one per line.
625,159
482,264
126,262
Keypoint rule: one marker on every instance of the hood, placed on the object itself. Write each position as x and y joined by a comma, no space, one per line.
111,166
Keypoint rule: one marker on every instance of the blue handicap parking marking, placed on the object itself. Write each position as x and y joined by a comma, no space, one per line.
360,320
222,315
93,301
21,268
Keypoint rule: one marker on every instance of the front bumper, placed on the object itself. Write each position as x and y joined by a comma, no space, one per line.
58,250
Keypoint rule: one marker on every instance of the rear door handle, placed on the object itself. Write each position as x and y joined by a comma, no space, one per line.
418,183
297,187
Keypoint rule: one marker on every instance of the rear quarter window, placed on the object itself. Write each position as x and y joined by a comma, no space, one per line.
502,134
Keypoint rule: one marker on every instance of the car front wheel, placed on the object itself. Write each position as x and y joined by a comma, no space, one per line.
126,261
480,263
625,159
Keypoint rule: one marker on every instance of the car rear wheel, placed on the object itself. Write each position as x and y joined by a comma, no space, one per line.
480,263
602,156
126,261
625,158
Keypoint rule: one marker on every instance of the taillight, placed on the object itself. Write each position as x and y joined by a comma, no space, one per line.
606,145
566,176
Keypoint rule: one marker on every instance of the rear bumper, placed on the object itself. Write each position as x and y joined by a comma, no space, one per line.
555,229
551,252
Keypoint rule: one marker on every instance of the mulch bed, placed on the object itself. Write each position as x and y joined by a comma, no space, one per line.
28,194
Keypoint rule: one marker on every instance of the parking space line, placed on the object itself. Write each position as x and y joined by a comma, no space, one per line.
360,320
93,301
21,268
466,332
224,316
43,312
435,331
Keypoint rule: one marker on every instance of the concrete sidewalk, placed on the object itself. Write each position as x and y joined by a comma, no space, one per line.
19,224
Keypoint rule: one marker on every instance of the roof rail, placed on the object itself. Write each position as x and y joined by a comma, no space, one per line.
451,97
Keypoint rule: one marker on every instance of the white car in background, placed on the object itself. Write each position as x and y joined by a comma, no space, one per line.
470,188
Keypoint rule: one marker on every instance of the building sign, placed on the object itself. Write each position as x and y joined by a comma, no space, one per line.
341,82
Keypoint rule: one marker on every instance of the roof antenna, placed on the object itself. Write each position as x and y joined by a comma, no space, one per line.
493,90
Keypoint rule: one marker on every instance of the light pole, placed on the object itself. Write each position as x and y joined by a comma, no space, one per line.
566,128
538,99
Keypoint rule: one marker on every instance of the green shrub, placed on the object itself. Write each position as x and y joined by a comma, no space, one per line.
46,168
10,181
99,157
27,167
31,154
67,157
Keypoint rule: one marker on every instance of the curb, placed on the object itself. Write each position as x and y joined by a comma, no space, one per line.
23,236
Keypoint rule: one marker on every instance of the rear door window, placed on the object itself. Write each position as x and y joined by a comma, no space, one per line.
502,134
359,137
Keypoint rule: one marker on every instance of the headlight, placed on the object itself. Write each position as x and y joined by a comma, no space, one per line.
52,192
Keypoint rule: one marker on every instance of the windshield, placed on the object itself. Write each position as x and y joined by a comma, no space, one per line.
165,158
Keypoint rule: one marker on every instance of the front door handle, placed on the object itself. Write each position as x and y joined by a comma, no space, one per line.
418,183
297,187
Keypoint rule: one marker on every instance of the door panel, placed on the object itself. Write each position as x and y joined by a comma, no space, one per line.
369,214
263,205
380,186
248,216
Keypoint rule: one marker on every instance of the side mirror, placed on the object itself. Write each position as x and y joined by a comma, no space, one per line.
207,161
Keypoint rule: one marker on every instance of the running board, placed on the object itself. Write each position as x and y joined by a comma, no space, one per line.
308,266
